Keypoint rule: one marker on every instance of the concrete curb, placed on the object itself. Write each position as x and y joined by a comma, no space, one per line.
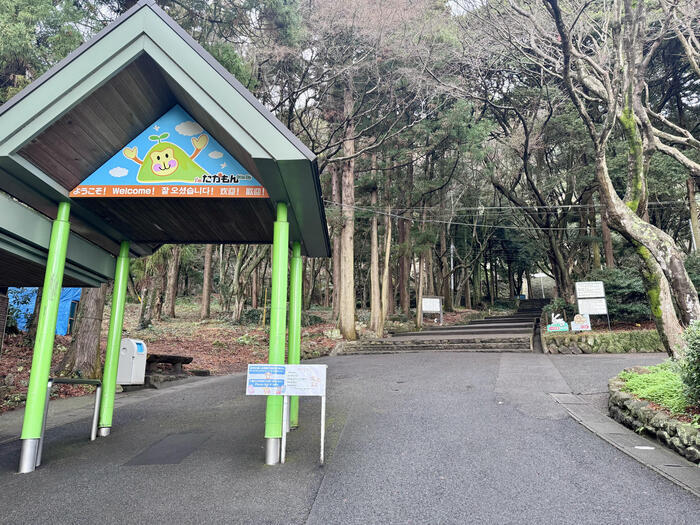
650,453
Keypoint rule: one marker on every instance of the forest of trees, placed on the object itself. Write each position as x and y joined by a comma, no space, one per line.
463,145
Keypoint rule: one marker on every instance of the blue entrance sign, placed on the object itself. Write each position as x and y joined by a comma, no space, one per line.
265,380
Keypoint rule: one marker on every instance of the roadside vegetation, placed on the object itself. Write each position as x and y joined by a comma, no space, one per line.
673,386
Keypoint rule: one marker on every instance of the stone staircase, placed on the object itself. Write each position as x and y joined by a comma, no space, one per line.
513,333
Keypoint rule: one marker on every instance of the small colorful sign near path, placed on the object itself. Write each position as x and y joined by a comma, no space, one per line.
174,157
581,322
558,324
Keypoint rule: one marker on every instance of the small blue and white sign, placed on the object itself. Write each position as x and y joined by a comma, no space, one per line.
265,380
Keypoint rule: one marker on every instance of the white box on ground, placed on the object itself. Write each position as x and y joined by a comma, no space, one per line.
132,362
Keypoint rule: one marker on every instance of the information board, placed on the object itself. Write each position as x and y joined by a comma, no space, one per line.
590,289
596,306
305,380
265,380
432,305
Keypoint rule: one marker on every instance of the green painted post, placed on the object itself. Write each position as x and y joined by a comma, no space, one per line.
114,340
278,318
45,334
295,299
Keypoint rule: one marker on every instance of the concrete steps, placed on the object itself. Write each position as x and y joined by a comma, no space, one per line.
388,346
512,333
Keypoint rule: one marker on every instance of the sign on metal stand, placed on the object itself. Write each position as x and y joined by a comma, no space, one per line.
432,305
590,296
290,380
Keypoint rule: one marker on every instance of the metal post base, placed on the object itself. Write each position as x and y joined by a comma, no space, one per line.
103,432
272,451
27,456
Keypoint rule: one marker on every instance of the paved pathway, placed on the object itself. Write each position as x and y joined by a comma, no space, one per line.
413,438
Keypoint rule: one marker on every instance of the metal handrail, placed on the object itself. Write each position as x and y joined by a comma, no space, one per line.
70,381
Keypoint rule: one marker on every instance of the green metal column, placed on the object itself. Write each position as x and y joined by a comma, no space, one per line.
45,334
278,318
295,299
114,340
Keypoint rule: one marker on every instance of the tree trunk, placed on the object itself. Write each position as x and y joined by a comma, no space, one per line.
335,245
387,293
404,267
693,209
254,289
173,277
467,292
83,355
445,287
205,310
34,320
160,298
476,272
375,292
595,245
511,280
664,274
419,291
406,252
346,318
607,241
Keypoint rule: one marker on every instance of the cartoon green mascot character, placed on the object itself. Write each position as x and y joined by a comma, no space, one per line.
167,162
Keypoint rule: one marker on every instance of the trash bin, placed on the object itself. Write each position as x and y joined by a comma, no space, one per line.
132,362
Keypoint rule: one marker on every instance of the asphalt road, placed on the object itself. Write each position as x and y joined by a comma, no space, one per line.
412,438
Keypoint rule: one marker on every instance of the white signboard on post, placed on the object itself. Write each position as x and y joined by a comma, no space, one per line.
432,305
305,380
593,306
590,289
590,296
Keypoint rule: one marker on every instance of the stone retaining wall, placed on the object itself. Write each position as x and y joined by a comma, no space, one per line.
638,415
602,342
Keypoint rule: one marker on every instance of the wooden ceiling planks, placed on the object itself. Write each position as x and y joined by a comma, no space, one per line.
157,221
17,271
88,135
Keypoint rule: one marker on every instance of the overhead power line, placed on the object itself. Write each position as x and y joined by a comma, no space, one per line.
432,220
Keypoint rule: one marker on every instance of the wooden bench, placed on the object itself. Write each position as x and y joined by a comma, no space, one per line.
176,361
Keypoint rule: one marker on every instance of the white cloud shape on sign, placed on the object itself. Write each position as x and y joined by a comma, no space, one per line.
119,172
216,154
188,128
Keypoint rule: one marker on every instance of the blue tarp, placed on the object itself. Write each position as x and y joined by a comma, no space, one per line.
22,303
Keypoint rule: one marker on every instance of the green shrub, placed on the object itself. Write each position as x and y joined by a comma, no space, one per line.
625,294
662,385
690,367
505,304
561,307
251,316
308,319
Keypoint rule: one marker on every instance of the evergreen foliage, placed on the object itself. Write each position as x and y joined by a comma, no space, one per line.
661,385
690,366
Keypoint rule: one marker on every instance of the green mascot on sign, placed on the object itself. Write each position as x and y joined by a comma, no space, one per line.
167,162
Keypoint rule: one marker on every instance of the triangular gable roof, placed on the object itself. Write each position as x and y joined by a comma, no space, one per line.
115,66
